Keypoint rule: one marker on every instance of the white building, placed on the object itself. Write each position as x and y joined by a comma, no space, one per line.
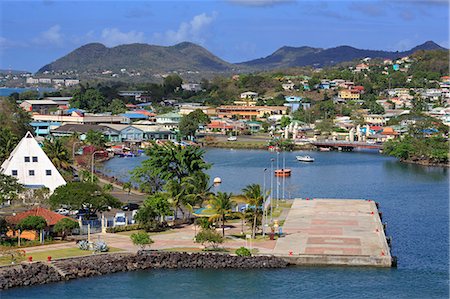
31,166
72,82
31,81
249,95
191,87
45,80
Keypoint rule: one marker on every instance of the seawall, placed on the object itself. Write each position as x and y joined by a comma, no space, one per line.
27,274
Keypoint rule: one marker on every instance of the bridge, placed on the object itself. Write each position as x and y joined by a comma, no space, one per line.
346,145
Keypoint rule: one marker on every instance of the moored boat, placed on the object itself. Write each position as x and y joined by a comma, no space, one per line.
324,149
305,158
283,172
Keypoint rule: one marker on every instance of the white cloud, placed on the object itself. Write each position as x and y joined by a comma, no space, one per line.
194,30
259,2
52,36
114,37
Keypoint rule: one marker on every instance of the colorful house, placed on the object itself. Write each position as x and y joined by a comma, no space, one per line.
50,217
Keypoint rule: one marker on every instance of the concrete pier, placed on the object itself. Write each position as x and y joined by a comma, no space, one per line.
343,232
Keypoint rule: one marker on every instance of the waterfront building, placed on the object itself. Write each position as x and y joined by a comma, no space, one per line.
250,112
31,166
43,106
78,118
43,129
51,218
110,134
187,108
169,120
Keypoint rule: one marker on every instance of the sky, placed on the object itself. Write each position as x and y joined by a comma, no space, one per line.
34,33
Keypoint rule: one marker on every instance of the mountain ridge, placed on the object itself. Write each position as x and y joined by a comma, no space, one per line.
188,56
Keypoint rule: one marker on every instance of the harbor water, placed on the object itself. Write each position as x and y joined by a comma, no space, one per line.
414,201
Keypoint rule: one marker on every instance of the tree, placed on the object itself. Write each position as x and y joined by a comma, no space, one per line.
141,239
9,188
285,121
171,83
325,126
3,226
198,189
108,188
65,226
95,138
57,153
209,236
117,106
8,142
168,162
13,118
255,199
127,186
79,195
189,123
155,206
32,223
222,204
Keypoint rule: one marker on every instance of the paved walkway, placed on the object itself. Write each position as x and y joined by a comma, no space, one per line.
325,227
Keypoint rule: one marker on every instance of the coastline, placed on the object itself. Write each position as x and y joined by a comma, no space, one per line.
27,274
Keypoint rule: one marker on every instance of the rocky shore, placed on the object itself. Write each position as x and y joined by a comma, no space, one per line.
72,268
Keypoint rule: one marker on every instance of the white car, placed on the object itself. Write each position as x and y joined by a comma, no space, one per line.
62,211
232,138
120,219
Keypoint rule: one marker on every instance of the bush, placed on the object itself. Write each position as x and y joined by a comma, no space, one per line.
124,228
141,239
209,236
242,251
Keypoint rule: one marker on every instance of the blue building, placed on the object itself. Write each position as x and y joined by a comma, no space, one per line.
42,129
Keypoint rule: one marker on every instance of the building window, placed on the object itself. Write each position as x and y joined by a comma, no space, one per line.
31,172
48,172
35,159
27,159
14,172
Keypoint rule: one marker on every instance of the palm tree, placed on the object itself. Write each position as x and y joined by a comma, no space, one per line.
198,189
175,193
255,198
127,187
57,153
223,204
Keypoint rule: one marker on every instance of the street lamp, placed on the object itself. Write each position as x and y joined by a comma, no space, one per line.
264,203
271,187
92,164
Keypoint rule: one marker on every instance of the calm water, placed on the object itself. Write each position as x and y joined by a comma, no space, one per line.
4,92
414,201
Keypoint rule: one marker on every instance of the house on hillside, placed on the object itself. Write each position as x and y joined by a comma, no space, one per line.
31,166
249,95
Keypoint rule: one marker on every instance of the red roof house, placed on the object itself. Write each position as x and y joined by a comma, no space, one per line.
50,217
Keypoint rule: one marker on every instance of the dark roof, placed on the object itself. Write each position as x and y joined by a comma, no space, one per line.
83,128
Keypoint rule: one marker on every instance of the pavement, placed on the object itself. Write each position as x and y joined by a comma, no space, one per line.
333,227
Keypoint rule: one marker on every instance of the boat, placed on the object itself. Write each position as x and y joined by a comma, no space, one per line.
232,138
324,149
283,172
305,158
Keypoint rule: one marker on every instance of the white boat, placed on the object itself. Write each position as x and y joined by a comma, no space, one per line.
305,158
232,138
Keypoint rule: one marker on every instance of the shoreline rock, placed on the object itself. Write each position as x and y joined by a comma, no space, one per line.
87,266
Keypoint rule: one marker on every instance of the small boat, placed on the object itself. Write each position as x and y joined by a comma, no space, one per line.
283,172
305,158
324,149
232,138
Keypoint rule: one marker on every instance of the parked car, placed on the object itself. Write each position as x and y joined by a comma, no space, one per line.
120,219
130,207
62,211
86,214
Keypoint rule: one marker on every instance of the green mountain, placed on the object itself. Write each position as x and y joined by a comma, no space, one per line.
96,57
286,57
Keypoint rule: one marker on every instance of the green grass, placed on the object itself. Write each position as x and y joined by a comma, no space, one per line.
55,254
